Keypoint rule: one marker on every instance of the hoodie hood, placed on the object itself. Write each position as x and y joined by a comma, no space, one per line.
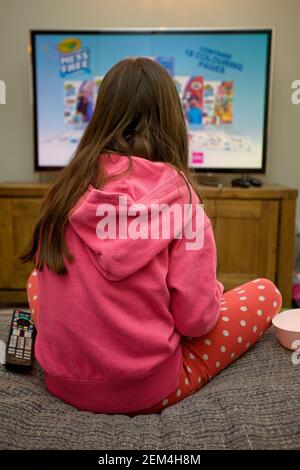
124,226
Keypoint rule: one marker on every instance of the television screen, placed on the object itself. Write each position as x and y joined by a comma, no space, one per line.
222,78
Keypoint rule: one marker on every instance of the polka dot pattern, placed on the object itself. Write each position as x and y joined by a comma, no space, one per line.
249,310
32,289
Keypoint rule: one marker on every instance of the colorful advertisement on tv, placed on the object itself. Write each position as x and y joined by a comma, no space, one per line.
221,79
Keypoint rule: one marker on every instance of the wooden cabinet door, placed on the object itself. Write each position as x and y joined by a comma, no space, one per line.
17,219
245,232
246,238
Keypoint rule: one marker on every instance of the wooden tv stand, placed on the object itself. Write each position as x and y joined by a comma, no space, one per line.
254,230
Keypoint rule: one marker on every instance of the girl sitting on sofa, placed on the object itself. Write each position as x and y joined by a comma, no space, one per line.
129,322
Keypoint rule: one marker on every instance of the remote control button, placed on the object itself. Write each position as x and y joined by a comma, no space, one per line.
13,341
16,332
27,334
21,342
11,350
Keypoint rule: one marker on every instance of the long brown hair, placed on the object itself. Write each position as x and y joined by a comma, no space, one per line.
138,112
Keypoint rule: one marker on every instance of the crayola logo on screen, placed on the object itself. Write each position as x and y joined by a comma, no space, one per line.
73,57
69,45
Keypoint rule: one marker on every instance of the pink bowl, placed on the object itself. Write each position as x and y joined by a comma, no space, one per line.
287,325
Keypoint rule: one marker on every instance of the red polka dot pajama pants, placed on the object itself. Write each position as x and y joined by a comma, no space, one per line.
246,313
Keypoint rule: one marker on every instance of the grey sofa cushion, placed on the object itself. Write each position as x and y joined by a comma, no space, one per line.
253,404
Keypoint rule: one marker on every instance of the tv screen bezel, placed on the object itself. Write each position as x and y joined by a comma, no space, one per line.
269,31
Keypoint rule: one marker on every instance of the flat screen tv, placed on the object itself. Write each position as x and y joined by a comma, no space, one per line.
222,77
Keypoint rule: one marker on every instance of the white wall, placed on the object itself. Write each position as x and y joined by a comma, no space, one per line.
17,17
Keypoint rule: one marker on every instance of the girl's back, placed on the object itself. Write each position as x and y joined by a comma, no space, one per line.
109,330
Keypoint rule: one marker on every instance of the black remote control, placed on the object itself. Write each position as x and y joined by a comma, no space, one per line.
20,343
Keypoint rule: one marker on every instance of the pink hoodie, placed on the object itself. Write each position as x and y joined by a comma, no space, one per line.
109,330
